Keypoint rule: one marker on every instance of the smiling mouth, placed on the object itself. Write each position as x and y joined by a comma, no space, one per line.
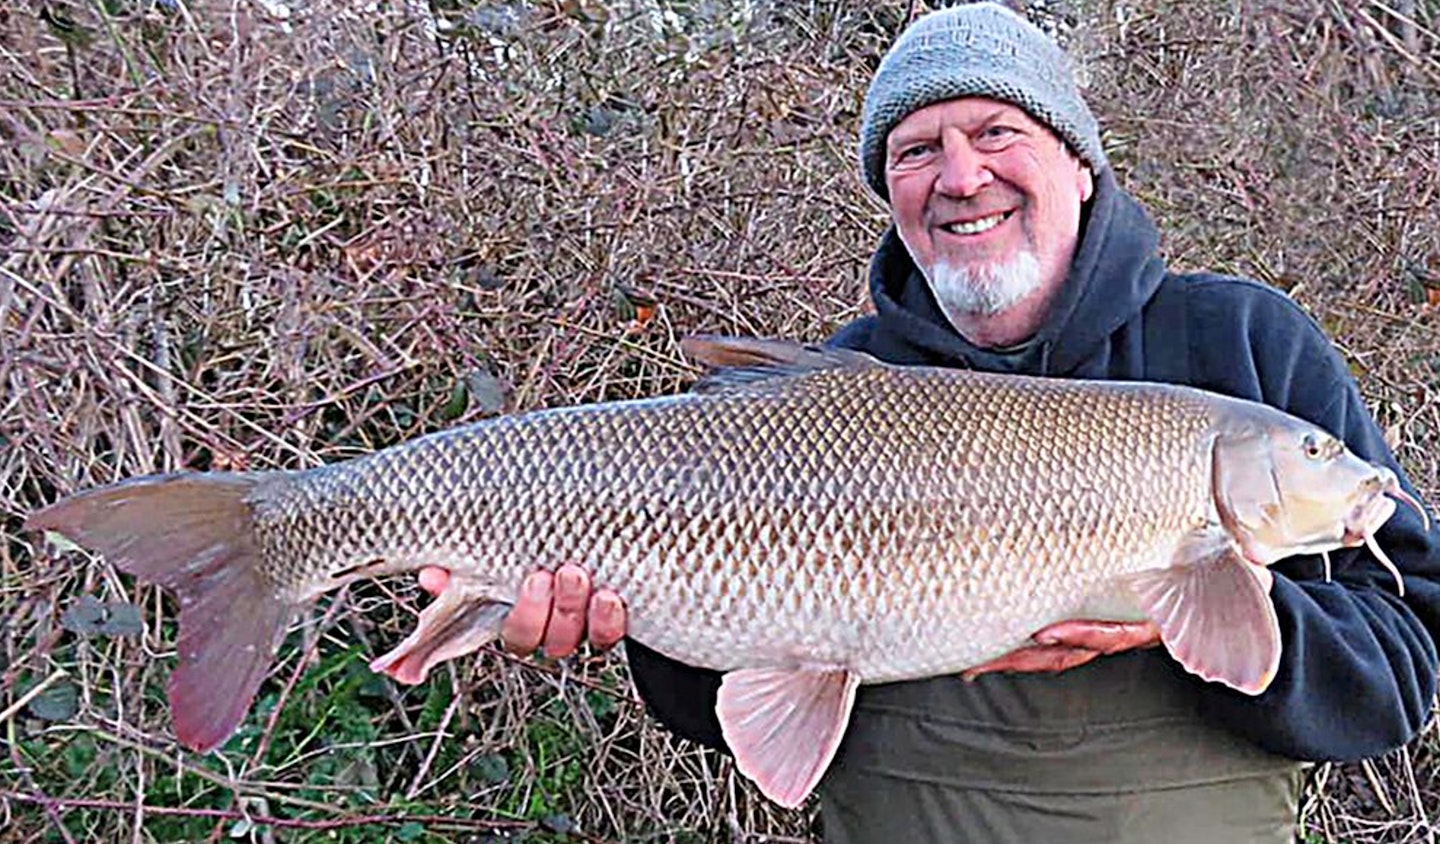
984,224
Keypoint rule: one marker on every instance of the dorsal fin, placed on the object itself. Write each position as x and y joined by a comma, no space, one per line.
734,361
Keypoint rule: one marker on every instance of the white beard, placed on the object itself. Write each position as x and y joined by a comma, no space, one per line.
983,291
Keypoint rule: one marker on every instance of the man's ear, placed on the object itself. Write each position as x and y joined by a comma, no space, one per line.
1085,181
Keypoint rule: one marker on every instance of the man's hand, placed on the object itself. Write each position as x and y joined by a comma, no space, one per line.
554,610
1067,644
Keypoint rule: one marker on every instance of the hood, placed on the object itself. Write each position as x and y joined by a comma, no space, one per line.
1114,273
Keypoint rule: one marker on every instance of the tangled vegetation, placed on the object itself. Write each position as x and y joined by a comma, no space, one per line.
260,234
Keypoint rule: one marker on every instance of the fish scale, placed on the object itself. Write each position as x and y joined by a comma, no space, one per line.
805,521
674,501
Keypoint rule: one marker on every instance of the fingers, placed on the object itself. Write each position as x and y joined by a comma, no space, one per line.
524,626
554,611
1106,637
1034,659
1067,644
608,619
434,579
567,616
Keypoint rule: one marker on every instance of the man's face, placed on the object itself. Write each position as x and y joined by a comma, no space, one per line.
987,200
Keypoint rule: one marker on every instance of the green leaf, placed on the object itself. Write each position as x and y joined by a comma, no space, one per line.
60,702
359,773
122,619
601,705
456,404
486,391
410,831
492,768
59,543
79,755
89,617
86,616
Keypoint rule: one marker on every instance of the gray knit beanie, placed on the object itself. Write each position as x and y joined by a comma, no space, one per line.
977,49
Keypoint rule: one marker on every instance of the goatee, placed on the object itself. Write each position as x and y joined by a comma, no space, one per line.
970,291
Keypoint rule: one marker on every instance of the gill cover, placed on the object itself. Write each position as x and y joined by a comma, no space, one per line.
1284,486
1247,492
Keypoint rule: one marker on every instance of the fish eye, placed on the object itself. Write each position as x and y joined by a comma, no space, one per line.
1317,447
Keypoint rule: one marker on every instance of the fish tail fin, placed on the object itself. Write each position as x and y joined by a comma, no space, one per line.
194,534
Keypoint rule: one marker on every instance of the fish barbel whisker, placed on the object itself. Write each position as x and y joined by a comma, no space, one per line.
1394,490
1390,486
1384,561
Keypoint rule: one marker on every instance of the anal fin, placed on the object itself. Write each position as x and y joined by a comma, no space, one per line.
1215,615
454,624
785,724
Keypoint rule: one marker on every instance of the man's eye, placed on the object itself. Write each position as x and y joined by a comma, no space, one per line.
997,132
912,151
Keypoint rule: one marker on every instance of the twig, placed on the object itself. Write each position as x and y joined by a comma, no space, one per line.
440,821
301,664
1380,793
440,736
39,689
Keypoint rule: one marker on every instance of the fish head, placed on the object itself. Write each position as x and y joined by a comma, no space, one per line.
1284,486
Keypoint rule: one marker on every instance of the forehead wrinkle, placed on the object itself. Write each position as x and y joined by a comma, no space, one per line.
932,125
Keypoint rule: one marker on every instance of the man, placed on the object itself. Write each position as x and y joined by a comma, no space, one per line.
1013,249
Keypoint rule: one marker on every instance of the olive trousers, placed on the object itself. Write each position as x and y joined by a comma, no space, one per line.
1115,751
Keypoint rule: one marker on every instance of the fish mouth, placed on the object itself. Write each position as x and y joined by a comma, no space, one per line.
1374,511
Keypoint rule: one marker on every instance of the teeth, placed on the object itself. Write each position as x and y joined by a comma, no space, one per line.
975,226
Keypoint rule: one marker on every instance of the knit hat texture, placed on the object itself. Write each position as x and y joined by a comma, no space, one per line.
975,50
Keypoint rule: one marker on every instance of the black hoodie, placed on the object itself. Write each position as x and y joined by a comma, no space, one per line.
1359,664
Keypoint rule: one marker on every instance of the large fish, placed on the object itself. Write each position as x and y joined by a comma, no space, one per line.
806,520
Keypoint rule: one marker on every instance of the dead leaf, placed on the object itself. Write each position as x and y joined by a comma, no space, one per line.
636,306
488,393
1394,435
225,460
67,141
364,257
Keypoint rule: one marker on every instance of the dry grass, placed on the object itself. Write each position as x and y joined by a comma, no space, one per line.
233,239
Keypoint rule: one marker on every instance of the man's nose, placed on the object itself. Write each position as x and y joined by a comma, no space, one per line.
965,171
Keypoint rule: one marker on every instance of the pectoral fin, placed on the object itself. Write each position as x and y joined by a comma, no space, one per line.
785,724
453,625
1216,618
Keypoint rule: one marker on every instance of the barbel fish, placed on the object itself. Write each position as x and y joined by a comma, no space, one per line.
806,520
